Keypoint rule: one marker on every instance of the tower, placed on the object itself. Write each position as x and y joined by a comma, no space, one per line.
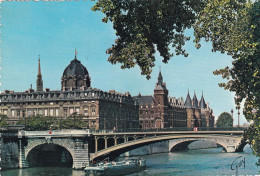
39,83
160,101
197,122
190,111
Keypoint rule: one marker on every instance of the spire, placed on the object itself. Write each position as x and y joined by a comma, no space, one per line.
195,101
202,102
76,54
160,78
39,66
39,83
188,102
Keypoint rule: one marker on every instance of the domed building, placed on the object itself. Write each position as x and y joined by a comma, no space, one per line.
75,76
97,108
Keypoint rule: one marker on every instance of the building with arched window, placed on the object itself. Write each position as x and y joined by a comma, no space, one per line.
97,108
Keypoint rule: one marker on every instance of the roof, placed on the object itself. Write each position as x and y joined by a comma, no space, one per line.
188,102
202,102
145,99
195,101
75,68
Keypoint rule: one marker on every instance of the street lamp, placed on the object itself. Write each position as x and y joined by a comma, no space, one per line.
232,111
238,113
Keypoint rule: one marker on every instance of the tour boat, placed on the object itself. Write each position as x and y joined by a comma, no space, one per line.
116,168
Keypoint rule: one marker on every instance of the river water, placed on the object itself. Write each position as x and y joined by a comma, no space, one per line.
192,162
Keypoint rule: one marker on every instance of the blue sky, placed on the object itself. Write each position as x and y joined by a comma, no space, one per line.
54,29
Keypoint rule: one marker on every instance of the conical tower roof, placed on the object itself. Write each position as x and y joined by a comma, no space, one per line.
188,101
195,101
202,102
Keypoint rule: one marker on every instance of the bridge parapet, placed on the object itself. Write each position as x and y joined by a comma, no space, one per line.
55,133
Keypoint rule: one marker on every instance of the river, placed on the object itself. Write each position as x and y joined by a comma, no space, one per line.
192,162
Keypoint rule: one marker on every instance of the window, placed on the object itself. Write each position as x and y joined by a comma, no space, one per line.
29,112
5,112
13,113
93,111
77,110
57,112
40,111
51,112
18,113
86,112
71,110
46,112
65,112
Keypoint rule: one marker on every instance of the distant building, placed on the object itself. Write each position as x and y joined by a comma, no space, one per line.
99,109
105,110
162,111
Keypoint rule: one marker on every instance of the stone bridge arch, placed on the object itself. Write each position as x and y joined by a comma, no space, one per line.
229,144
76,147
65,143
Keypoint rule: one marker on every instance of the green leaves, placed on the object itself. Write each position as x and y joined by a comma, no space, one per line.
40,122
224,120
146,26
233,27
3,121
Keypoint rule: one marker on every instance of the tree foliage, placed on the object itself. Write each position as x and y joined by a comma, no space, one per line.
40,122
144,26
232,26
224,120
3,121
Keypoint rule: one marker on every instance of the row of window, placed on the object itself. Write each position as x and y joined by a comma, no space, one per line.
47,112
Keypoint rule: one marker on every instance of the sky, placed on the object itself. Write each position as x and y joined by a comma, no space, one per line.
54,29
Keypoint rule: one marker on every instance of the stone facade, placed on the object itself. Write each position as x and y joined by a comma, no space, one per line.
162,111
99,109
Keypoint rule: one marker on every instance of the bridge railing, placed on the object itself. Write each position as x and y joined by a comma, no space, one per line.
53,133
166,130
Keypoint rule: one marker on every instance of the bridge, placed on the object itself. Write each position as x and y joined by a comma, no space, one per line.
80,147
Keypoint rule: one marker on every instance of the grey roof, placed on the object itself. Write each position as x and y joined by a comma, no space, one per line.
202,102
58,95
145,99
158,87
195,101
188,102
75,68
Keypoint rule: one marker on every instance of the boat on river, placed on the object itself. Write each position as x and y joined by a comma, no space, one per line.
116,168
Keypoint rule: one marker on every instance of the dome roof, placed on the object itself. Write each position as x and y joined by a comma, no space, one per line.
75,68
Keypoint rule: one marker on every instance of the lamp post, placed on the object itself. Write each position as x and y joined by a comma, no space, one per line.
232,111
238,113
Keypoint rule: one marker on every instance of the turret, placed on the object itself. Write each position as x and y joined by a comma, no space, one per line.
190,111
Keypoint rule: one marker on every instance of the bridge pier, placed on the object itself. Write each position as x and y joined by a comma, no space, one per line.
81,154
23,163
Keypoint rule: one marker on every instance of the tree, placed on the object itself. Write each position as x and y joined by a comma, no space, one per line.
73,121
3,121
224,120
37,122
232,26
145,26
40,122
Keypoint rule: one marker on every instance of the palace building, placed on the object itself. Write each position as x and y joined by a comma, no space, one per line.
105,110
99,109
162,111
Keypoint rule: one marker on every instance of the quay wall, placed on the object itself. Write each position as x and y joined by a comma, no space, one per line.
9,153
